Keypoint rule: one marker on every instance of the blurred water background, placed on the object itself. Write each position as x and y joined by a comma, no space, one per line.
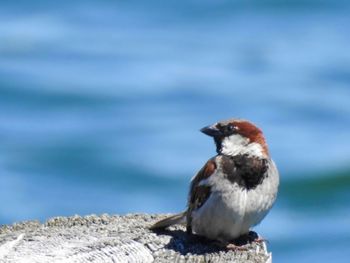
101,103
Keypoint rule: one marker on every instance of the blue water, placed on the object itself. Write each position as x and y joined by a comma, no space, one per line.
101,103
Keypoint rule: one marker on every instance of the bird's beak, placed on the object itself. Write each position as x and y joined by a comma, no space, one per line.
211,130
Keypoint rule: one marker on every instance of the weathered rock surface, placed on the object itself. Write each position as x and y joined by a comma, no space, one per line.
108,238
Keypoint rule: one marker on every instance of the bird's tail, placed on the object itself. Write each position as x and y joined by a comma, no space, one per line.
169,221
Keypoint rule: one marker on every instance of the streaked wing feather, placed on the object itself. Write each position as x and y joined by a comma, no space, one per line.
199,193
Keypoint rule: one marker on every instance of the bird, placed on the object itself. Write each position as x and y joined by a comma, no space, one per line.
234,190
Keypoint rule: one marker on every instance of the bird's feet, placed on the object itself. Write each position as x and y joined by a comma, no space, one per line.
254,237
225,245
240,242
234,247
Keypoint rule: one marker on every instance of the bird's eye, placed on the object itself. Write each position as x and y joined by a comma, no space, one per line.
230,128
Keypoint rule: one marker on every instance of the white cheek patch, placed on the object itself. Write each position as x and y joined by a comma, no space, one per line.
237,144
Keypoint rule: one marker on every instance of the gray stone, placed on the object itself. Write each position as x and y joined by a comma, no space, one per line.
108,238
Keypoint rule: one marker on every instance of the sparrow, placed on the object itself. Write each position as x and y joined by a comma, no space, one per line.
235,189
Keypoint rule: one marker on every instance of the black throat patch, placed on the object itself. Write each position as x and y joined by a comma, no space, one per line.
248,172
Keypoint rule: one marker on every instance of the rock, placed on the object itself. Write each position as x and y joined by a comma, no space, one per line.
108,238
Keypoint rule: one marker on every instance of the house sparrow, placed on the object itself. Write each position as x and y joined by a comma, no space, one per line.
235,189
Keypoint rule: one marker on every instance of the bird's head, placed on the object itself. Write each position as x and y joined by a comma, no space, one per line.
233,137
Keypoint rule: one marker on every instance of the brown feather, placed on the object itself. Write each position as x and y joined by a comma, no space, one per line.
252,132
199,193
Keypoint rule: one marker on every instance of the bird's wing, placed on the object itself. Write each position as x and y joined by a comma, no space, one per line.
199,193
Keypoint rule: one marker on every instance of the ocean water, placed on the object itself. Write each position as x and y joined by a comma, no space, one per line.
101,103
